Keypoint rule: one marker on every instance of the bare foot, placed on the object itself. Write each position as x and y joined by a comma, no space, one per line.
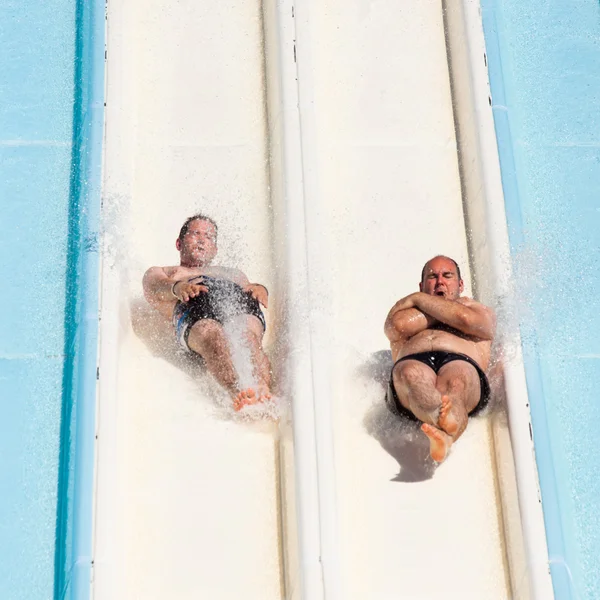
447,420
439,441
248,397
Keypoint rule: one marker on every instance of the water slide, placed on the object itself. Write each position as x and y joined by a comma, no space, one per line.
325,141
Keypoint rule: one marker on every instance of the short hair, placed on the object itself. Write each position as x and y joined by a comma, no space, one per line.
196,217
441,256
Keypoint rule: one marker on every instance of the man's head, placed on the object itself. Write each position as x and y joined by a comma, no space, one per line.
441,277
197,241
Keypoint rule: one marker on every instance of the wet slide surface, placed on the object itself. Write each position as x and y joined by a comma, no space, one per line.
391,200
191,495
188,498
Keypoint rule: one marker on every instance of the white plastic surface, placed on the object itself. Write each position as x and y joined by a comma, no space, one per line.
390,199
187,499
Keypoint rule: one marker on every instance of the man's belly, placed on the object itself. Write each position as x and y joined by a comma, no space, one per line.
433,339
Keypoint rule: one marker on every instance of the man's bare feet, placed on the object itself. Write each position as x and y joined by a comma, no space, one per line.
447,420
248,397
439,441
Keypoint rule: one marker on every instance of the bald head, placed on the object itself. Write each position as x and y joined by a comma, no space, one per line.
441,277
435,258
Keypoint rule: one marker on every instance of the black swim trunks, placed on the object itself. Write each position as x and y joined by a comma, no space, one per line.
436,359
223,301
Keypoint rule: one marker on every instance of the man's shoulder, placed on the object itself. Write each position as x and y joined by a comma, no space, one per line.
474,303
168,271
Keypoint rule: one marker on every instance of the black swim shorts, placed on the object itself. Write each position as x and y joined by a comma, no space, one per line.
223,301
435,359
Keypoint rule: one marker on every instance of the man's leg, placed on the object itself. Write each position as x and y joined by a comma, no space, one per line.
417,389
207,338
415,385
252,335
210,339
460,389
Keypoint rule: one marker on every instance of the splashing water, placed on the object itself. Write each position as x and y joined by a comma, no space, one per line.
515,310
274,409
241,356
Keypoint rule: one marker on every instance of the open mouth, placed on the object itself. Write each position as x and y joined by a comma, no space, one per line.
439,293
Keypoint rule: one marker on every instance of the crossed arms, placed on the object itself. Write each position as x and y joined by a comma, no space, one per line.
419,311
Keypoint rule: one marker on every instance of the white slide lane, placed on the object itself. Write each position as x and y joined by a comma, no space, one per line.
390,199
187,504
210,106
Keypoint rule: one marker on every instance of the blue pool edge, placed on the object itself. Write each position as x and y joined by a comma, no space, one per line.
73,552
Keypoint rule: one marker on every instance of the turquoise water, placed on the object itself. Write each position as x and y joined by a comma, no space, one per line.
544,62
49,190
36,113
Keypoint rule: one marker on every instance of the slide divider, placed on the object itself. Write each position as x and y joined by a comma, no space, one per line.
118,164
295,193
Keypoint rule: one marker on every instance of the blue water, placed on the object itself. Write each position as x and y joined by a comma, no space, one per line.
544,62
49,191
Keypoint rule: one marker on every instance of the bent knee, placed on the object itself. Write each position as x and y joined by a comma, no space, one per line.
249,325
413,373
208,333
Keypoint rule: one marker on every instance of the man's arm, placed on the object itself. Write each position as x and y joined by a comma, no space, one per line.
403,323
157,285
259,292
464,314
160,287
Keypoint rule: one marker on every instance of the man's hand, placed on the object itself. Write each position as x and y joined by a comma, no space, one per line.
259,292
185,291
421,300
405,303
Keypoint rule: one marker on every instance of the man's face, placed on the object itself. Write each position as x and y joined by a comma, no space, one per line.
441,279
199,245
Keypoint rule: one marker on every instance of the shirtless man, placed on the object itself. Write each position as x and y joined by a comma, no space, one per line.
440,344
200,299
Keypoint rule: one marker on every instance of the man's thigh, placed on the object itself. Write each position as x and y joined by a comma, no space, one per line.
244,325
460,379
205,334
410,376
